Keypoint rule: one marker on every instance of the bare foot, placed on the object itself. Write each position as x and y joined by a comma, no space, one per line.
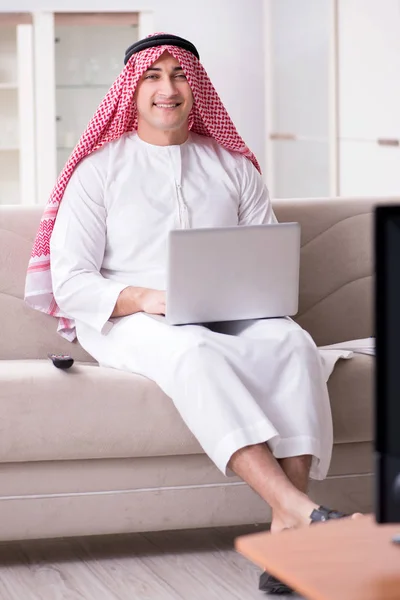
293,517
278,524
282,520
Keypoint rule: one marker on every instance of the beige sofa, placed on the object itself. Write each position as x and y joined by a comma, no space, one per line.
96,451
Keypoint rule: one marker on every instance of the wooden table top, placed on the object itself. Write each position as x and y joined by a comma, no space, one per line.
346,559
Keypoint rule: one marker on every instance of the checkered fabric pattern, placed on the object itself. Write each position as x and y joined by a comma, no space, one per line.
115,116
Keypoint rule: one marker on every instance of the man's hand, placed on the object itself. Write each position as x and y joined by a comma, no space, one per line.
136,299
153,302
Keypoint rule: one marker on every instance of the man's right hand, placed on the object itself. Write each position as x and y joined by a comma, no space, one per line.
136,299
153,302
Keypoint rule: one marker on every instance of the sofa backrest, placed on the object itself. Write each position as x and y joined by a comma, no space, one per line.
335,281
336,272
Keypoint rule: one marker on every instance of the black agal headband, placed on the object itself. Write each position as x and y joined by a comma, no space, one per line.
163,39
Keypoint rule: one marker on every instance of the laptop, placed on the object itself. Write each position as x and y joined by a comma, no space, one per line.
233,273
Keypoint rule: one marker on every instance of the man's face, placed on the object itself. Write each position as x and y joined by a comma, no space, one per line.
163,96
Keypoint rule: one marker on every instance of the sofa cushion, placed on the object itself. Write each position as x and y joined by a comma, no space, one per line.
85,412
95,412
351,390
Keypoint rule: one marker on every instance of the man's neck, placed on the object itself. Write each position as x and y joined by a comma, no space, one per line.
158,137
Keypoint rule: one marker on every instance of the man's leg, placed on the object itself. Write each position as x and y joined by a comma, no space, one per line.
283,485
297,470
285,492
218,401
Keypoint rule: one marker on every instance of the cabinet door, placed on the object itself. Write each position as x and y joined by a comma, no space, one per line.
301,169
299,46
17,175
368,169
369,69
299,96
78,57
89,53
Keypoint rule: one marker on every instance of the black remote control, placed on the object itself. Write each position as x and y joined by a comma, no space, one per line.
61,361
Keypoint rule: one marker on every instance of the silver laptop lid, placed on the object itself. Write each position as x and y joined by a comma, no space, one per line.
231,273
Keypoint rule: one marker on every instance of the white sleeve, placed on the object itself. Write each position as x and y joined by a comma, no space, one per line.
77,248
255,206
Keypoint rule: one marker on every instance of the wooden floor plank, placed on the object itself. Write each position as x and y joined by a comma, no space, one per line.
175,565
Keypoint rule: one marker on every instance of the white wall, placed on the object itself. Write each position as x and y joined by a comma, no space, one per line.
227,33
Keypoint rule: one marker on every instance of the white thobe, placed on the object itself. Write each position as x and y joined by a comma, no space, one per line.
234,384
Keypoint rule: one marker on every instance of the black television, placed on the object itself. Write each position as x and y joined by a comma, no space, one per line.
387,377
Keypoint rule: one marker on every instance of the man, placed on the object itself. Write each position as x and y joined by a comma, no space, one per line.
162,153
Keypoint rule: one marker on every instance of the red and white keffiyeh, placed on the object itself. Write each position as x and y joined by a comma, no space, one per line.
115,116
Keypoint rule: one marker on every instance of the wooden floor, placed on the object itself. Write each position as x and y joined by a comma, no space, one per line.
189,565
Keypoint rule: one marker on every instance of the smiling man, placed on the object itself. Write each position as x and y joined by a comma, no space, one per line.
164,111
162,153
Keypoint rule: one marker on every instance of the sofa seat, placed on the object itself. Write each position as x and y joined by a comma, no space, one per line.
92,412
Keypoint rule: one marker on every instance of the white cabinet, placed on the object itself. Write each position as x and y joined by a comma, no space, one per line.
299,47
332,97
17,171
369,69
369,100
297,90
88,59
301,168
78,58
54,71
368,169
